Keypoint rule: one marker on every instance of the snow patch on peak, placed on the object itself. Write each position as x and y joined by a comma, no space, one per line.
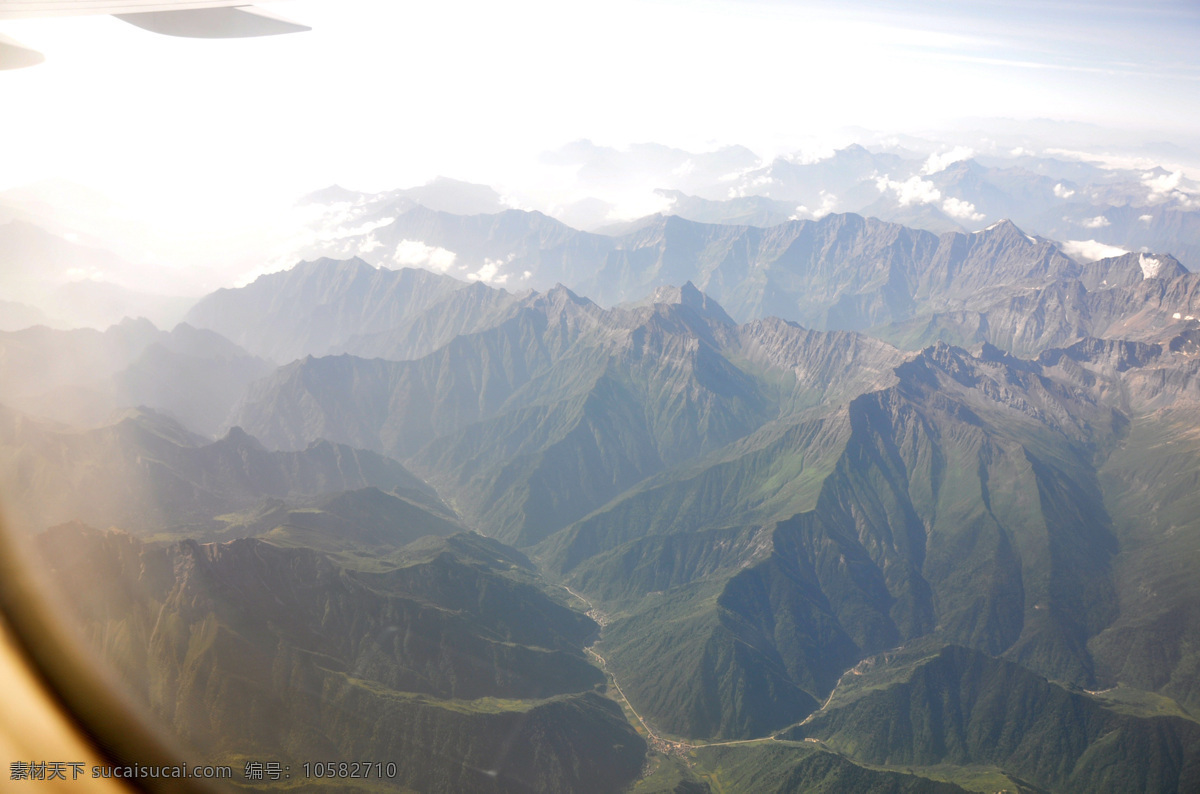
1003,223
1150,266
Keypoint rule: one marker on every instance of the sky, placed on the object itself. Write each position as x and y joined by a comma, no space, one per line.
197,138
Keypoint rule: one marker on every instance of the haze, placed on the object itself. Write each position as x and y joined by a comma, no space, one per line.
202,147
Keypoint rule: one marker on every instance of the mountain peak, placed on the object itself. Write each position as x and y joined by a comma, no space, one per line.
560,296
1128,270
689,295
143,419
241,439
1005,228
1004,224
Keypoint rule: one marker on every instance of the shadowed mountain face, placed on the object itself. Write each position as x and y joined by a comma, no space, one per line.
963,707
910,526
562,405
450,664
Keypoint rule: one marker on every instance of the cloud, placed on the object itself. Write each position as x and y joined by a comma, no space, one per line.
957,208
337,225
940,161
1062,191
418,254
1170,186
752,187
1098,222
1145,218
1090,250
488,272
913,190
818,152
828,204
1162,185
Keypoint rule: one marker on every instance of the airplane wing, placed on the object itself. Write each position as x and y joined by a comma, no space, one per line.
202,19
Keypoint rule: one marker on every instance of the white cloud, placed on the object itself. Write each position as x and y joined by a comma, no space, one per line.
753,187
1098,222
1170,187
913,190
828,204
1145,218
940,161
514,202
488,272
1163,184
1090,250
338,229
957,208
418,254
1062,191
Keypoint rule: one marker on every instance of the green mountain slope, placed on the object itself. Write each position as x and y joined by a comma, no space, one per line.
779,767
962,707
919,524
453,664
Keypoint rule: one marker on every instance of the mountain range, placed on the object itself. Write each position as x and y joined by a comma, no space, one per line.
846,504
841,272
1080,201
